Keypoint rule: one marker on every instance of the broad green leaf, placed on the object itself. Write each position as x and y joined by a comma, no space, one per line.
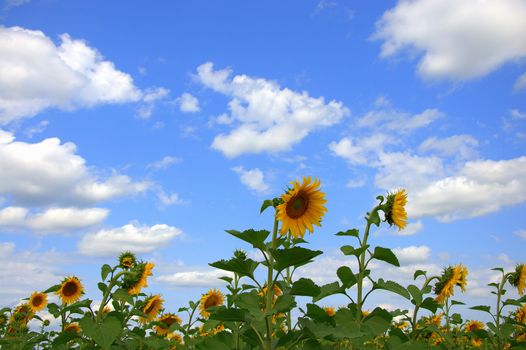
224,314
52,289
419,273
242,267
329,289
122,295
416,293
349,250
392,287
266,203
284,303
352,232
377,322
374,218
105,271
483,308
346,276
456,302
103,334
385,254
305,287
512,302
256,238
430,304
295,256
102,286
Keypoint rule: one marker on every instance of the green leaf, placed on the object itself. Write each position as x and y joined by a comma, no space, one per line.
295,256
419,273
284,303
103,334
498,269
430,304
377,322
250,302
385,254
122,294
305,287
392,287
242,267
456,302
346,276
102,286
483,308
317,313
226,279
329,289
352,232
52,289
256,238
227,315
512,302
105,271
374,218
349,250
266,203
416,293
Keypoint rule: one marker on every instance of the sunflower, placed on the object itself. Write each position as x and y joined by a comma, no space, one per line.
277,292
302,207
435,320
136,280
518,278
402,325
152,306
218,329
167,320
21,314
70,290
520,314
72,328
213,298
473,325
38,301
395,209
175,337
127,260
476,342
330,311
451,277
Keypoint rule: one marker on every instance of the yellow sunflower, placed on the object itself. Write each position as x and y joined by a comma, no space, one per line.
330,311
518,278
38,301
167,321
218,329
21,314
152,306
473,326
476,342
451,277
72,328
520,314
463,281
277,292
138,281
302,207
127,260
395,209
70,290
175,337
435,320
213,298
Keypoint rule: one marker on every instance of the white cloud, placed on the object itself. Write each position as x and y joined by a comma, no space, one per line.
188,103
458,40
204,278
520,84
164,163
461,146
356,182
403,122
253,179
133,237
479,188
521,233
411,229
52,220
268,118
412,254
362,150
150,97
169,199
516,114
36,129
8,4
51,173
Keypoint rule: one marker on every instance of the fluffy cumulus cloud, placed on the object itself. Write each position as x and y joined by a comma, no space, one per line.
196,278
52,173
263,116
254,179
133,237
520,84
188,103
412,254
36,73
462,146
457,40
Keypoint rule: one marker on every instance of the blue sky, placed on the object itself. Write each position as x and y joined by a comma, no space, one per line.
155,125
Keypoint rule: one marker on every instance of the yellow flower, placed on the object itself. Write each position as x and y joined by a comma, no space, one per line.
330,311
520,314
277,292
463,281
168,320
436,339
38,301
452,276
153,305
395,212
518,278
176,337
435,320
135,283
72,328
21,314
218,329
476,342
402,325
473,326
302,207
70,290
213,298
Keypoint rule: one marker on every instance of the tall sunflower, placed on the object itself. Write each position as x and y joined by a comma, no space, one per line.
70,290
136,279
518,278
213,298
165,322
38,301
451,277
473,325
395,209
520,314
152,306
302,207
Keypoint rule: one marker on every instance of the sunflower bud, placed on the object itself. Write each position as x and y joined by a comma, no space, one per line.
135,280
127,260
240,254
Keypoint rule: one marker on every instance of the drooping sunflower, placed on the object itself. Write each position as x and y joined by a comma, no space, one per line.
330,311
72,328
38,301
394,209
152,306
518,278
21,314
473,325
302,207
213,298
451,277
137,278
127,260
166,321
70,290
520,314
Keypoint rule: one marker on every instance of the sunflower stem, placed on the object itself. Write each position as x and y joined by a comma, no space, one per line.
107,293
270,285
499,306
417,306
289,283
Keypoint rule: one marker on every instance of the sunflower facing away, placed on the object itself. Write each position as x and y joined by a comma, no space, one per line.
72,328
452,276
152,306
166,321
213,298
38,301
518,278
395,209
302,207
135,281
70,290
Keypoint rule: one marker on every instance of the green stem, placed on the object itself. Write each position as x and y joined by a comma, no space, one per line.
499,307
270,286
289,284
447,314
113,281
417,306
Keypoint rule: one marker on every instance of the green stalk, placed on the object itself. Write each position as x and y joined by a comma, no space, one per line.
113,281
500,307
270,286
289,283
417,307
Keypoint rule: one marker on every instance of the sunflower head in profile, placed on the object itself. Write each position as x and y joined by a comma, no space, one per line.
213,298
330,311
151,308
127,260
518,278
520,314
165,322
451,277
136,279
38,301
21,314
72,328
175,337
302,207
394,209
473,325
70,290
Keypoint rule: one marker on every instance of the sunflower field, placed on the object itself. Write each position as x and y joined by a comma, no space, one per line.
266,313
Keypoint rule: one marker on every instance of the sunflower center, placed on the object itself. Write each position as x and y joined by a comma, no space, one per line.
211,301
70,288
297,205
37,300
127,262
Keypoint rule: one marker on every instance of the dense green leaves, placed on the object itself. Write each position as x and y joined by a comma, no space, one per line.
244,267
103,334
305,287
